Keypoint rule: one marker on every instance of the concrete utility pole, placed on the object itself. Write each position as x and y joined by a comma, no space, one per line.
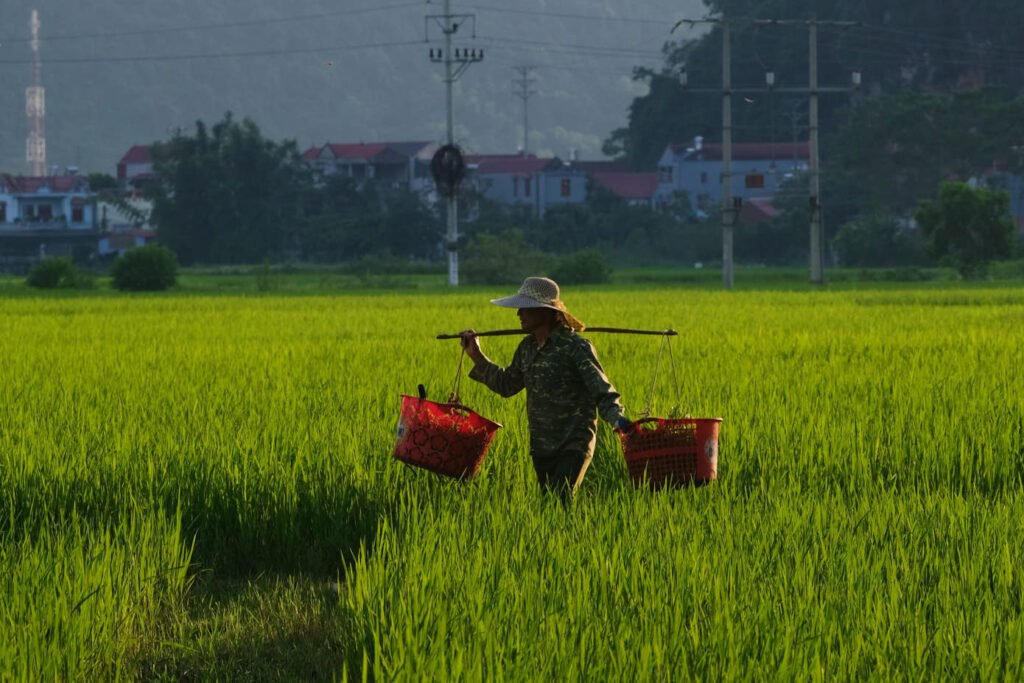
455,63
817,238
729,211
730,208
523,92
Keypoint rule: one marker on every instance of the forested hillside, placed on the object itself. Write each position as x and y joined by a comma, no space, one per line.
317,70
917,45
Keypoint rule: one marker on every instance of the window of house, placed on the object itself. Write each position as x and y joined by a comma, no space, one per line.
77,214
666,174
526,186
703,177
3,212
566,187
45,212
754,180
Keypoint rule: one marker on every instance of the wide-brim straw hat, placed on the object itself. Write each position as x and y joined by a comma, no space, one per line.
539,292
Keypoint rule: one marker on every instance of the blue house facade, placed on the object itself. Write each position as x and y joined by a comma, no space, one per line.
758,169
529,182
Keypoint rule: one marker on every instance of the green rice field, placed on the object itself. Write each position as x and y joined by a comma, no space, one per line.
199,486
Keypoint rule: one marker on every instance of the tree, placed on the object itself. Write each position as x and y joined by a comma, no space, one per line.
341,220
937,47
151,268
101,181
878,240
408,228
893,150
227,194
967,227
502,259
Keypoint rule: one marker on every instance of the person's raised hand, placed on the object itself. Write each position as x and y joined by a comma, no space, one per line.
470,344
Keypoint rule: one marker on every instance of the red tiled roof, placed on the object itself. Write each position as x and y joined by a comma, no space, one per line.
628,185
752,151
367,151
487,164
356,151
31,184
758,209
138,154
601,166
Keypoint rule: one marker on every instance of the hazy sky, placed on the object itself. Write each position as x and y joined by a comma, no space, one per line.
118,73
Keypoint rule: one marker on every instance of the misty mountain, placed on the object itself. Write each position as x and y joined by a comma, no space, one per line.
118,74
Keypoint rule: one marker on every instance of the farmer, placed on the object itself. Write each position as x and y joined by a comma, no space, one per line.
566,388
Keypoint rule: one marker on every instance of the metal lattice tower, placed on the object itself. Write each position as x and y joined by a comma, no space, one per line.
523,91
35,108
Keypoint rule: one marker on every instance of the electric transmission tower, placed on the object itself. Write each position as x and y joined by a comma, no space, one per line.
35,108
524,84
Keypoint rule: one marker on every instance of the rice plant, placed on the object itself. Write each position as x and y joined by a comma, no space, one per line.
866,521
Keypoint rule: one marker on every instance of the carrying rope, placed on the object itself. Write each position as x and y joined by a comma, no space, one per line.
457,384
665,344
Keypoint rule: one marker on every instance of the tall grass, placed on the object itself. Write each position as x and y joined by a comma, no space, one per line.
867,521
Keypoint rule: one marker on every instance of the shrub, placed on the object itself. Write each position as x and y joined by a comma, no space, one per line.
57,272
879,240
584,267
968,227
145,269
502,259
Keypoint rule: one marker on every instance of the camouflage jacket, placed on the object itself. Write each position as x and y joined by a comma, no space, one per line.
565,386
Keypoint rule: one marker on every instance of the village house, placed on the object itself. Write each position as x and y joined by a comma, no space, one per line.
758,170
390,165
533,183
45,203
636,189
135,168
44,216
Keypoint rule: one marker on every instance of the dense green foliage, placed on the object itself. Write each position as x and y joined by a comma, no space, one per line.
226,194
867,520
967,227
151,268
584,267
914,45
879,240
893,151
229,195
940,100
57,272
501,258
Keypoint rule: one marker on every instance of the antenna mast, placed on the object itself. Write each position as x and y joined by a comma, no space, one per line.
35,108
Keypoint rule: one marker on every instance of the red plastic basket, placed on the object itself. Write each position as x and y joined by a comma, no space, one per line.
661,451
446,438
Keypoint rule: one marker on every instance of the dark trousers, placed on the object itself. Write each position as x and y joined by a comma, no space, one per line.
561,473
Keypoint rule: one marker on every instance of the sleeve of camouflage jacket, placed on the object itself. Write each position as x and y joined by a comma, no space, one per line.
504,381
597,383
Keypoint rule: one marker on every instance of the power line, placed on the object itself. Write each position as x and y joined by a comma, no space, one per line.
203,27
610,50
565,15
218,55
